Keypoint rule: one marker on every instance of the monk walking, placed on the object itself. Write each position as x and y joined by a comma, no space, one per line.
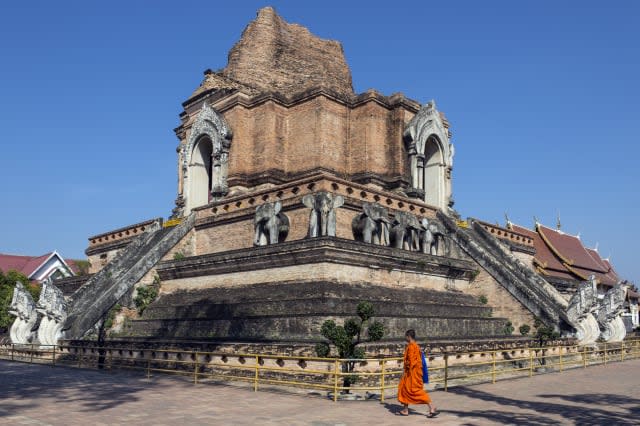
411,388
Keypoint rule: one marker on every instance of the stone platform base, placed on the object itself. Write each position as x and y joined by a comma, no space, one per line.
295,311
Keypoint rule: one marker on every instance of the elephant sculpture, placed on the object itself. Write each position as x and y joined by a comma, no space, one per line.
431,237
24,309
271,225
405,231
322,219
372,225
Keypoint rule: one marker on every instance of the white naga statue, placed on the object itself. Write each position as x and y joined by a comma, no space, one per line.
610,313
581,312
53,308
24,309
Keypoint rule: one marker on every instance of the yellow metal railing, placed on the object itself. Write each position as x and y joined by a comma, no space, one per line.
379,376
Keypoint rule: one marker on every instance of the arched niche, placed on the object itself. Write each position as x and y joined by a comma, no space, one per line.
200,172
430,157
434,172
204,158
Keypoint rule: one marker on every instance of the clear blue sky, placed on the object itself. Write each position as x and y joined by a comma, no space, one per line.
543,98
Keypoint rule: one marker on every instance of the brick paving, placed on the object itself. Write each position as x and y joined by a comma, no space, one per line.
45,395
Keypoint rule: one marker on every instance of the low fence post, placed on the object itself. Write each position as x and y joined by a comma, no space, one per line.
335,381
493,367
560,347
383,364
195,370
256,377
79,358
12,347
53,360
446,372
33,348
622,351
148,369
584,356
605,353
530,362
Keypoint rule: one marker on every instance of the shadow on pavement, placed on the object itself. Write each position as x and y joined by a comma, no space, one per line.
584,409
25,384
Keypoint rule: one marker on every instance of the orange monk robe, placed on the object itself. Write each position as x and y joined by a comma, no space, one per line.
411,389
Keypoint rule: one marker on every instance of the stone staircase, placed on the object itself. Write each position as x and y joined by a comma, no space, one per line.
544,301
103,290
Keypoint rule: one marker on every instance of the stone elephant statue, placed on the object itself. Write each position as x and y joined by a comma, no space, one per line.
432,237
372,225
405,232
271,225
322,219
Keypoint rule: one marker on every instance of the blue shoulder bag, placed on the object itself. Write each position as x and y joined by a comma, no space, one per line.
425,369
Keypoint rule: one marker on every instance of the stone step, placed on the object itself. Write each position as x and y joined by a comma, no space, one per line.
306,328
206,309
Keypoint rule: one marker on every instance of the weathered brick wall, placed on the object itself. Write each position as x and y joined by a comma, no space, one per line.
503,303
273,55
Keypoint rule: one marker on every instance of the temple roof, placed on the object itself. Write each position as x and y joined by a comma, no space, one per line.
35,267
564,256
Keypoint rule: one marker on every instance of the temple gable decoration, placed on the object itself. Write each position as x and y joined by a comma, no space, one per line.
431,154
205,159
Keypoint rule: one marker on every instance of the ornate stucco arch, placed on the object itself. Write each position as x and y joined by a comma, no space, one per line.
430,157
209,128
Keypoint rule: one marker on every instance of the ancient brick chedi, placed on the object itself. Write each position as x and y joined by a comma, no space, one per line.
297,198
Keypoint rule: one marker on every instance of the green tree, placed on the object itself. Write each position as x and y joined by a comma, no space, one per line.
543,335
7,283
83,266
348,336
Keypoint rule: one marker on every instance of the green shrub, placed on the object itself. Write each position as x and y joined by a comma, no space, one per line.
111,316
144,297
178,255
508,328
524,329
483,299
348,336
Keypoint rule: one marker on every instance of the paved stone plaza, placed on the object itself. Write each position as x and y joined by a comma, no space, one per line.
43,395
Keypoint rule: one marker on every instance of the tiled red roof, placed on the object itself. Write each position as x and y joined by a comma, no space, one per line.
564,256
26,265
544,257
71,263
569,249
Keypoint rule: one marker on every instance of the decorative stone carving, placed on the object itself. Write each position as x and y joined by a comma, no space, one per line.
610,313
322,219
430,157
405,232
212,125
580,312
24,309
372,225
432,237
271,225
53,309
